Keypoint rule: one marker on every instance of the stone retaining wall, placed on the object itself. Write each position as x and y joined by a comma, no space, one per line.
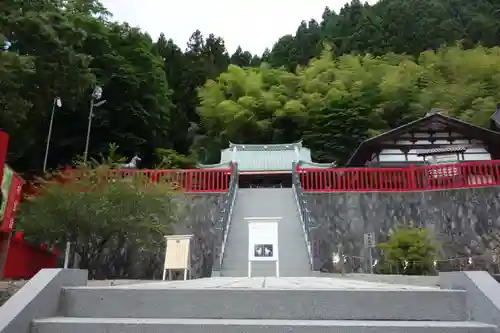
460,219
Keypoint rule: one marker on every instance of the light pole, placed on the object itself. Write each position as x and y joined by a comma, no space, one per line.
96,95
57,102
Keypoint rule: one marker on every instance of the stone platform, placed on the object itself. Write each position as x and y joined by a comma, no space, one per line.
247,305
306,283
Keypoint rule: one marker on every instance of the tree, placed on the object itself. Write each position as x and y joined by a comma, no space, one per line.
284,53
170,159
139,119
250,105
116,226
335,82
64,49
337,102
14,102
242,59
405,27
43,35
409,251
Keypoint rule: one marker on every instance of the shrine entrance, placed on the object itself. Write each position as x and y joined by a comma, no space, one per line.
265,180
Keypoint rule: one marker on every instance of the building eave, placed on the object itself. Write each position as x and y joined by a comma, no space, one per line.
367,147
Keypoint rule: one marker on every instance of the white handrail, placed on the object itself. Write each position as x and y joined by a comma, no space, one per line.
306,236
226,232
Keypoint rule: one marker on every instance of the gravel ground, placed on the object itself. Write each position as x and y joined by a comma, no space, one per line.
7,289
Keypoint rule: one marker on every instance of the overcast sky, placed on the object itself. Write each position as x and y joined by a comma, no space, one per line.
254,25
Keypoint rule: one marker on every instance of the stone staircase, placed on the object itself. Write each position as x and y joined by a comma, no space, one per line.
261,305
266,202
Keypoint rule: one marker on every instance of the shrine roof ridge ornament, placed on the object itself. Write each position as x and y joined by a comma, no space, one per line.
266,147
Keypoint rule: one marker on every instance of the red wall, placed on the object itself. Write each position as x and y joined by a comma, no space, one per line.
25,260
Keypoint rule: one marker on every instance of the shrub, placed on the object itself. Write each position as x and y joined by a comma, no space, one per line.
112,223
409,251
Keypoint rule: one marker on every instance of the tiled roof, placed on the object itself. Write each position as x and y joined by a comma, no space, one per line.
263,157
314,165
266,147
268,157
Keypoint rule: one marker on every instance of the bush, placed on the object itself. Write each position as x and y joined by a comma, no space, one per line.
409,251
116,225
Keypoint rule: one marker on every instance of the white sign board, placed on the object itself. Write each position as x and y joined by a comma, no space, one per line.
369,240
177,254
263,241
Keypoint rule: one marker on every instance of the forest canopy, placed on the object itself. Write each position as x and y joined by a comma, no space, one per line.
337,102
334,83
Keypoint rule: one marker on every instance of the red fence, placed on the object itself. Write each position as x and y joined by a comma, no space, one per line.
25,260
193,180
435,177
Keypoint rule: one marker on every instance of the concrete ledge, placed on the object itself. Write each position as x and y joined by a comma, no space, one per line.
483,294
286,304
38,298
155,325
414,280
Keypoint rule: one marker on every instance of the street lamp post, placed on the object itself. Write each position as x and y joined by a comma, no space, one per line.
96,95
57,102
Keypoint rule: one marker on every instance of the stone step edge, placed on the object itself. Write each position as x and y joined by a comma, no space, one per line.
176,288
254,322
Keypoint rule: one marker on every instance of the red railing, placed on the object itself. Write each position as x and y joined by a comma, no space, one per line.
435,177
24,260
192,180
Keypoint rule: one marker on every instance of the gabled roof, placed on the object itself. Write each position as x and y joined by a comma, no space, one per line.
369,146
266,157
495,119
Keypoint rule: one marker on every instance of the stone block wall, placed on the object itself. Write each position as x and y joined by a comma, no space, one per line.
199,214
203,218
459,219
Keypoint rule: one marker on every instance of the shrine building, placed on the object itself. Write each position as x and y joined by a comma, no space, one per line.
433,139
266,165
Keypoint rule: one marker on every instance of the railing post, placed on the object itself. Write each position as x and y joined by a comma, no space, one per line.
496,173
411,175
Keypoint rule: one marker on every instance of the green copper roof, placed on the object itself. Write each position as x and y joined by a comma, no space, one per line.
314,165
268,157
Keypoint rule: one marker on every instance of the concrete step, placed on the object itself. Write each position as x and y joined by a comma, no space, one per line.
126,325
292,254
243,273
233,273
246,301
